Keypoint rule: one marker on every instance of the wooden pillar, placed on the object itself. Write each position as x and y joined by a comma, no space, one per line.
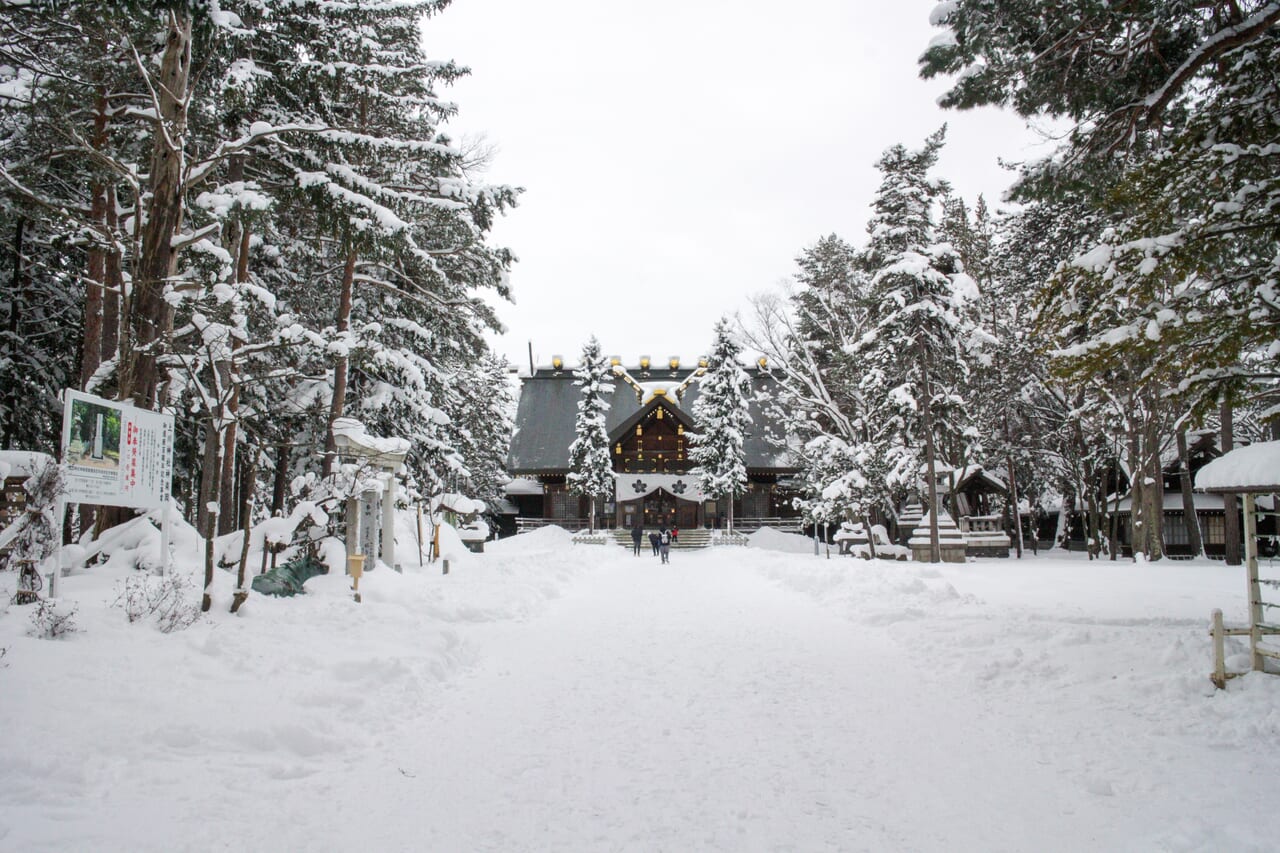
1255,593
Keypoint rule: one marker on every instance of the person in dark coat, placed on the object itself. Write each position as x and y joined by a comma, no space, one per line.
653,540
636,533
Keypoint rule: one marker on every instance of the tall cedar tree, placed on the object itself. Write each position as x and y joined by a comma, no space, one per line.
590,466
721,413
920,329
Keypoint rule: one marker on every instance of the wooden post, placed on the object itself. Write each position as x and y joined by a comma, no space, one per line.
1219,677
1255,593
418,504
355,568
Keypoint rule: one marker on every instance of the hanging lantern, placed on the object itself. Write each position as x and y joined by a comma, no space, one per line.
639,429
617,448
659,410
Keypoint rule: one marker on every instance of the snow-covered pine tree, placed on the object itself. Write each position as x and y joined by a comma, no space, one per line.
590,465
717,449
1176,109
481,409
920,329
809,336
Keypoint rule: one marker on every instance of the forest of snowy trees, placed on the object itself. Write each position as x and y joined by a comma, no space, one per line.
1070,342
248,214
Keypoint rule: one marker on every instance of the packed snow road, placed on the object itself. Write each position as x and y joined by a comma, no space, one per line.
546,696
698,706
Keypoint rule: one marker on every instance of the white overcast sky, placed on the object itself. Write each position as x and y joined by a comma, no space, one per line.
676,155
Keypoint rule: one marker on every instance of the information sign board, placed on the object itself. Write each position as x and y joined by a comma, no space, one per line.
116,454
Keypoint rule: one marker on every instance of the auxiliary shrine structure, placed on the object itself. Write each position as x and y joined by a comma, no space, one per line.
649,421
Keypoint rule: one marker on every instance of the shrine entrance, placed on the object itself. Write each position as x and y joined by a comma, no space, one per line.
663,508
659,508
655,499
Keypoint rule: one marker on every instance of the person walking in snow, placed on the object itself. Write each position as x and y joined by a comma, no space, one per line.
664,544
653,540
636,533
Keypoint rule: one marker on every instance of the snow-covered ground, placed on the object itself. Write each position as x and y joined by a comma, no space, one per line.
547,696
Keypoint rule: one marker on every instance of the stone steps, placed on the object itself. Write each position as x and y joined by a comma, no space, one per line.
689,540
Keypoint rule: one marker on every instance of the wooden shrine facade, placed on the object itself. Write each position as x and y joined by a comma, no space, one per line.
649,425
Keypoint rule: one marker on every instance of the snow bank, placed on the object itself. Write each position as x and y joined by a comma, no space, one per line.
775,540
545,696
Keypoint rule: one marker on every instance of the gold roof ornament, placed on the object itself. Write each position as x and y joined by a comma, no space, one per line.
702,361
763,363
688,380
674,361
644,362
557,362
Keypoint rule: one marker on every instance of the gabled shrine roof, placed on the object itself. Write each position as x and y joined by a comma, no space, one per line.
548,411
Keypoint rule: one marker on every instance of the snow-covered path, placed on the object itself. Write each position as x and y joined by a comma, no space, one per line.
547,696
699,706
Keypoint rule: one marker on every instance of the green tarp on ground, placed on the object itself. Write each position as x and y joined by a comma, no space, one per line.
288,579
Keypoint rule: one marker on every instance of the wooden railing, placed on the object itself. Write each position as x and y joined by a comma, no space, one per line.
752,524
524,524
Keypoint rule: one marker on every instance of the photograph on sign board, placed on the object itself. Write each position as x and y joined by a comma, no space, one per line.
95,436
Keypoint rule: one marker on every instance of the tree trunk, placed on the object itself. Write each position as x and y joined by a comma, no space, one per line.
1189,516
340,369
95,280
1013,500
246,514
926,411
1062,533
151,319
1155,486
280,485
16,301
1230,504
210,474
238,240
113,282
871,539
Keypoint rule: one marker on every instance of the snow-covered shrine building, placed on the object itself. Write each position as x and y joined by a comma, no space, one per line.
649,419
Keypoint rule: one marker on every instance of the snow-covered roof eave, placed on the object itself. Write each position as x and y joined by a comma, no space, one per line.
1254,468
22,463
352,439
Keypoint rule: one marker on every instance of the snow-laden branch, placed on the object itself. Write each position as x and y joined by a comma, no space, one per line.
258,131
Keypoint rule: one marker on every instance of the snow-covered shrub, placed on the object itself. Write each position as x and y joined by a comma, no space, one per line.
52,619
33,535
170,601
